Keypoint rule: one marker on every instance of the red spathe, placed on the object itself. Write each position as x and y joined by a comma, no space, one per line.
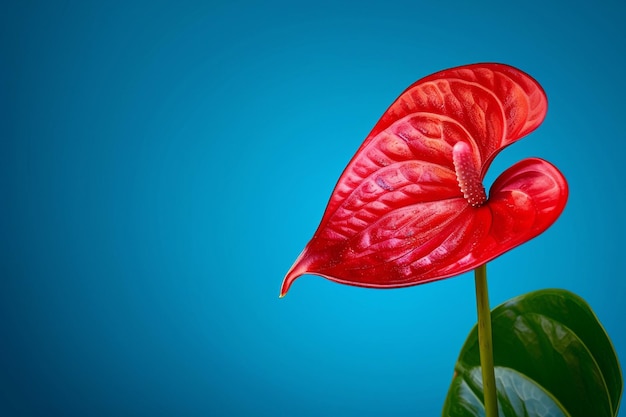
397,216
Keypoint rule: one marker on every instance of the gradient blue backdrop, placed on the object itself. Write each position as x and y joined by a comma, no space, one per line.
163,163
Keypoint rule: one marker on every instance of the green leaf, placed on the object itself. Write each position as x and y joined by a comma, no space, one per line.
552,357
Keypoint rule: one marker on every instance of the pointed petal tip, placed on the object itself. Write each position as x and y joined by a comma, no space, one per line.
289,279
298,268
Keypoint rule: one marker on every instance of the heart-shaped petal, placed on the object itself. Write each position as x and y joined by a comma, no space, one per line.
398,217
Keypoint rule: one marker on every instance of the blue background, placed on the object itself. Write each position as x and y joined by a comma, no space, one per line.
163,164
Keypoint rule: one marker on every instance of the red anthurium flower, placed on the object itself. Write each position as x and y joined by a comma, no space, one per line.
410,206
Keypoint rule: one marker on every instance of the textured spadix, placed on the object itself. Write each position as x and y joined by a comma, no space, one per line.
398,215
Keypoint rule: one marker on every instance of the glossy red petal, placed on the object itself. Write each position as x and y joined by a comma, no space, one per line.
397,216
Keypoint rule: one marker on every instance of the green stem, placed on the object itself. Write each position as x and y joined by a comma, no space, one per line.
484,341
